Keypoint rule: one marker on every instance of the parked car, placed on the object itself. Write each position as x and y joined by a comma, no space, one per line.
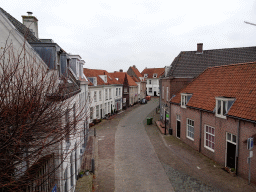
148,98
143,101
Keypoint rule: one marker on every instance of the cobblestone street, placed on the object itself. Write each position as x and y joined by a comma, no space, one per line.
133,156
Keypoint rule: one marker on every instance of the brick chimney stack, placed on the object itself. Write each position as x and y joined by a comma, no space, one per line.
121,70
199,48
134,66
31,22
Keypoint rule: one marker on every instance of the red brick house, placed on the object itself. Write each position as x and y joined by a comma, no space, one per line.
130,88
189,64
139,80
216,113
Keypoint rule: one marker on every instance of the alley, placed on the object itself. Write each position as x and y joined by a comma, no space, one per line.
133,156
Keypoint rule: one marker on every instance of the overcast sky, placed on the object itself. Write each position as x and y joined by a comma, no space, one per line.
114,35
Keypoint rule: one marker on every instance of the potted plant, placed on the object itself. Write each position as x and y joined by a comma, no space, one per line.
81,174
233,172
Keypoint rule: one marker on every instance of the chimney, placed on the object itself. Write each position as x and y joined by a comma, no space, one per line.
31,22
134,66
199,48
121,70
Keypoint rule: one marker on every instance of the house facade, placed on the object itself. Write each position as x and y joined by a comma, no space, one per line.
189,64
152,76
139,80
216,114
130,88
61,161
105,93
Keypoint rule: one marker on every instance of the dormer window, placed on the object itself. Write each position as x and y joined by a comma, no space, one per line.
185,97
145,75
155,75
223,104
104,78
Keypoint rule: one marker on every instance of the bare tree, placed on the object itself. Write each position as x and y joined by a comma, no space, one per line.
35,109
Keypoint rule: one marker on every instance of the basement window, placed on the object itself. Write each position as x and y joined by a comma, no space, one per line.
185,97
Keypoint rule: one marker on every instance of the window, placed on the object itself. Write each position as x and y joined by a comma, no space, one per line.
222,106
162,92
67,125
167,93
106,94
125,89
149,81
97,112
190,129
209,138
89,96
116,92
185,99
231,138
106,108
91,113
95,96
145,75
155,75
150,90
119,91
110,94
100,98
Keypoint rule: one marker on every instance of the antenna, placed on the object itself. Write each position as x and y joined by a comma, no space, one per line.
250,23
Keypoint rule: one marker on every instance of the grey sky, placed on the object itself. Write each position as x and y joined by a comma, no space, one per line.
114,35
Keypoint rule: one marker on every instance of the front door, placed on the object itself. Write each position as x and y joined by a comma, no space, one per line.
155,93
231,155
178,129
231,151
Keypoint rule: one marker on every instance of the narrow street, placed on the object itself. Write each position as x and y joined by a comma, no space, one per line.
133,156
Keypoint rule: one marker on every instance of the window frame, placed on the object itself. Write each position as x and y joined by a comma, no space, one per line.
145,75
220,101
184,97
212,135
95,96
151,90
187,129
155,75
100,96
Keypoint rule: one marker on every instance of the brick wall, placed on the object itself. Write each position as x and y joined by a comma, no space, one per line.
222,127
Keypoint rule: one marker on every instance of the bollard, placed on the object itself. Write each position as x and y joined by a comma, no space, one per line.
94,132
93,166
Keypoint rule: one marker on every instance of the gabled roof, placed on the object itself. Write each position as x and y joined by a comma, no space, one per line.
96,72
121,77
136,71
191,64
151,71
21,28
233,81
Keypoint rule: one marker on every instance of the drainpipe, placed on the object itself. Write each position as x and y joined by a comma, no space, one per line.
160,98
237,147
200,128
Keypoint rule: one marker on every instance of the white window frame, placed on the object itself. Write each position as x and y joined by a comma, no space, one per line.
119,91
151,90
221,100
145,75
187,131
184,99
116,92
100,97
155,75
106,94
97,112
149,81
210,134
125,89
110,93
95,96
232,136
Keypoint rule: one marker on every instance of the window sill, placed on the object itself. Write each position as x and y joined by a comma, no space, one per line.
210,149
184,107
221,116
190,138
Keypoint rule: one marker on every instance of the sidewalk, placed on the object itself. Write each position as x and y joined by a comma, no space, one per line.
189,170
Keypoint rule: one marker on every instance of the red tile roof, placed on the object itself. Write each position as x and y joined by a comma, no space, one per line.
236,81
151,71
96,73
121,76
136,71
